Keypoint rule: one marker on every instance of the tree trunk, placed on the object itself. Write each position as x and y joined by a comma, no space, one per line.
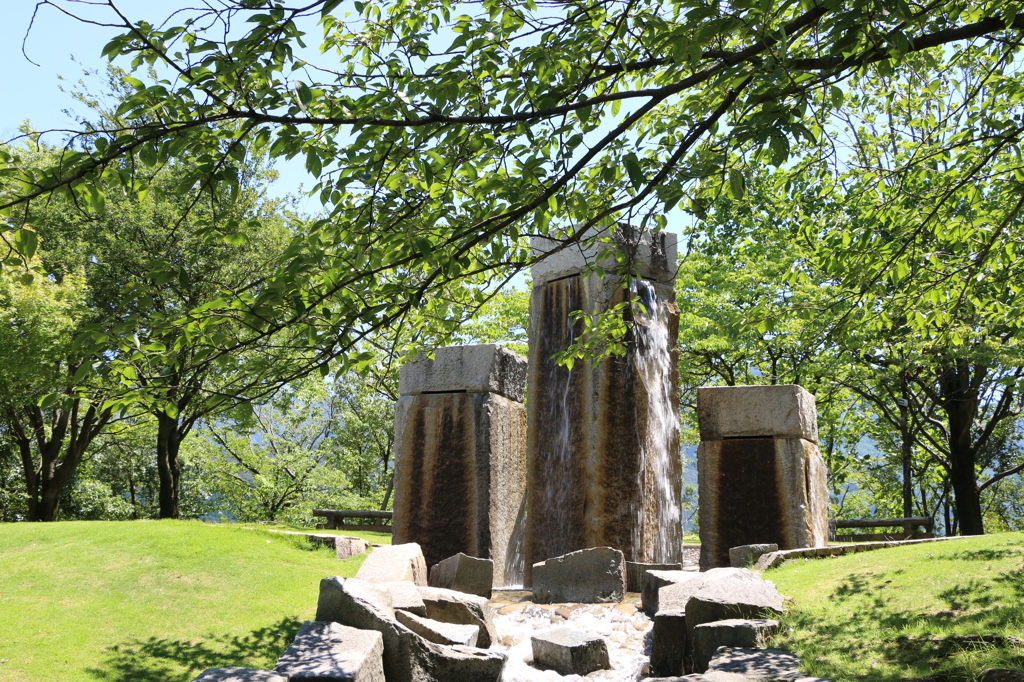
58,461
960,403
168,467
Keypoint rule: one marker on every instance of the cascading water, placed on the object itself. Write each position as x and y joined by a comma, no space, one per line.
652,361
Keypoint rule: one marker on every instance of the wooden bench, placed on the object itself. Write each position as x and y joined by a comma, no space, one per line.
336,519
910,529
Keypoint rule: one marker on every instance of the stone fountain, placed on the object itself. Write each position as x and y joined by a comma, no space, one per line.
603,465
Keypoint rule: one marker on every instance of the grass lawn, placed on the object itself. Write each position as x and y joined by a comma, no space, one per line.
151,600
865,616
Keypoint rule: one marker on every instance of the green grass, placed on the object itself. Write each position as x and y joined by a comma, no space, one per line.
848,614
151,600
383,538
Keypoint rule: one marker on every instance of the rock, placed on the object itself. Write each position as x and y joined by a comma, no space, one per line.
655,580
332,652
391,563
464,573
437,632
345,547
746,556
1002,675
780,411
407,656
706,677
742,595
405,596
707,637
654,254
588,576
449,606
636,573
482,368
570,652
235,674
668,642
757,664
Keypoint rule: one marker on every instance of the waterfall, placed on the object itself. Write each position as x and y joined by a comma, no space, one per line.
653,364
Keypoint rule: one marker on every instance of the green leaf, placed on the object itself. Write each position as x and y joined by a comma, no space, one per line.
636,174
737,185
26,242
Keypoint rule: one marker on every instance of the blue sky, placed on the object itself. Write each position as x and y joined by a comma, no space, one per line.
61,48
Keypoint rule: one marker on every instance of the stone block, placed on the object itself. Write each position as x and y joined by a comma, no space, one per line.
333,653
675,594
746,556
407,656
345,547
464,573
655,580
750,634
588,576
760,491
236,674
744,595
483,368
437,632
668,642
706,677
570,652
636,573
460,474
653,254
757,664
449,606
405,596
782,411
392,563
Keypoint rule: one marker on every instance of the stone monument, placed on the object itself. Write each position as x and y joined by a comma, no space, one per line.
603,463
460,453
760,476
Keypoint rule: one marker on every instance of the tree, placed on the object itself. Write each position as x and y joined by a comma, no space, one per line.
49,416
439,141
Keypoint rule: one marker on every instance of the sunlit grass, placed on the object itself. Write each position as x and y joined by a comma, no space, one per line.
151,600
857,617
382,538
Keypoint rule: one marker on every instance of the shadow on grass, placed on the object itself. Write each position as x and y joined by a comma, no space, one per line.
867,621
174,660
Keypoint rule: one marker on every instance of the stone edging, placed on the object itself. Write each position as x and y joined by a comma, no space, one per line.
773,559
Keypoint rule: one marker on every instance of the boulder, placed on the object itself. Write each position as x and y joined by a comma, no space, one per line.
235,674
757,664
655,580
707,637
449,606
636,573
1002,675
744,595
391,563
587,576
333,653
345,547
668,642
407,656
437,632
706,677
405,596
570,652
746,556
464,573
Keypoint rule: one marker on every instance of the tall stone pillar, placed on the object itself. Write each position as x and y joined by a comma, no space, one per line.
460,453
760,476
603,462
